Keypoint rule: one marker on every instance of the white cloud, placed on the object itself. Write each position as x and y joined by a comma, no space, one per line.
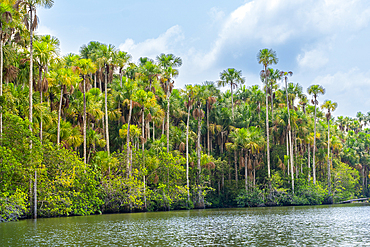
350,89
164,43
313,59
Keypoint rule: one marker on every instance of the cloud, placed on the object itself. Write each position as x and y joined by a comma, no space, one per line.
313,59
164,43
350,89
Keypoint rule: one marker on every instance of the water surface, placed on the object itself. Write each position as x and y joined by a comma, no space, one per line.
335,225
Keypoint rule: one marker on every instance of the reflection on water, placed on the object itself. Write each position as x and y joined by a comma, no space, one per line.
281,226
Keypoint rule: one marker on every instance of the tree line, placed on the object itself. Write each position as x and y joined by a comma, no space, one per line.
96,132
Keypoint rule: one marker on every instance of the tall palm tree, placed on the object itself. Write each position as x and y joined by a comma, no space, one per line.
233,78
285,75
145,99
130,88
330,106
85,67
106,56
267,57
168,64
5,25
31,21
189,101
315,90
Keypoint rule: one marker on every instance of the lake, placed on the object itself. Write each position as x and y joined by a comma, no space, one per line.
326,225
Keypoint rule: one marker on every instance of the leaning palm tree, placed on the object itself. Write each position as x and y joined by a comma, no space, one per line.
315,90
285,75
267,57
330,106
233,78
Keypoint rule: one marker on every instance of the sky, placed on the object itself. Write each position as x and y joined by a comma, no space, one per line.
323,42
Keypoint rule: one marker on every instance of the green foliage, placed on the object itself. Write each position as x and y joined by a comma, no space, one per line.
12,207
345,182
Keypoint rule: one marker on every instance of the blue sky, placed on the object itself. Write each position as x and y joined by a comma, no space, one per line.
323,42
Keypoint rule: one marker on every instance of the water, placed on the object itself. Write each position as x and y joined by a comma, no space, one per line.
336,225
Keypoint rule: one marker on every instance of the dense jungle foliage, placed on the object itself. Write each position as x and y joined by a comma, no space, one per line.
96,132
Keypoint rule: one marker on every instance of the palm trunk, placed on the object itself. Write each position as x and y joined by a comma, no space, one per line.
168,122
30,83
329,175
40,88
59,113
95,79
287,153
290,137
128,140
314,148
153,131
208,146
142,149
236,168
187,153
198,161
232,102
106,112
84,117
309,162
1,84
268,135
246,170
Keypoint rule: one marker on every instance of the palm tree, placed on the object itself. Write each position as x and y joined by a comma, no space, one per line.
330,106
233,78
285,75
129,91
168,63
85,67
315,90
122,59
267,57
106,55
145,99
5,24
45,50
189,94
31,19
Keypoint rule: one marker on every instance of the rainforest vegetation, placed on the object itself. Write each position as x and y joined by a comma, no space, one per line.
97,132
